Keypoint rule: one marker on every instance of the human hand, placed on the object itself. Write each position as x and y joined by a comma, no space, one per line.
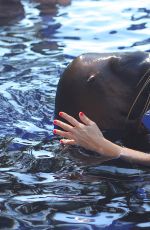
85,133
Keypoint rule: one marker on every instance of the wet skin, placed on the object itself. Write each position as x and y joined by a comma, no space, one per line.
104,87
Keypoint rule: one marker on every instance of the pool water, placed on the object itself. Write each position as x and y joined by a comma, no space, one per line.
43,185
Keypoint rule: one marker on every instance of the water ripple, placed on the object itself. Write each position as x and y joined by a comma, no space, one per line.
44,185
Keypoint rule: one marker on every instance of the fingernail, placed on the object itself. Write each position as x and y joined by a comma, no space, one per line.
81,113
60,114
54,131
55,122
61,141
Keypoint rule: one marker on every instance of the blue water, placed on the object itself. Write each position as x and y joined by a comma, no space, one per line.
44,186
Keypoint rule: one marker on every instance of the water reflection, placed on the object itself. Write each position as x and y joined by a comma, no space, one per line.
49,27
49,8
11,11
145,13
43,185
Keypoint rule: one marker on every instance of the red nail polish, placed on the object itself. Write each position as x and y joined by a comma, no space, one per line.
81,113
61,141
55,122
60,114
54,131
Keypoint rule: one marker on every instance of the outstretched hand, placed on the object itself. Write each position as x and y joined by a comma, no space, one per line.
85,134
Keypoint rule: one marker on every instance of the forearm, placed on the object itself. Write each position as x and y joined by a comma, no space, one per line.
135,156
130,155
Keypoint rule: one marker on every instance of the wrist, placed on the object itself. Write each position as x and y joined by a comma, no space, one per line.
110,149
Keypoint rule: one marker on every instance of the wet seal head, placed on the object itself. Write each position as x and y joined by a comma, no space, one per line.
111,88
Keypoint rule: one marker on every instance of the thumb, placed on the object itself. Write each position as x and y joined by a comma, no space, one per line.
85,119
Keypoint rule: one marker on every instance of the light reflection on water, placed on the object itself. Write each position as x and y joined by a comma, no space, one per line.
123,21
42,186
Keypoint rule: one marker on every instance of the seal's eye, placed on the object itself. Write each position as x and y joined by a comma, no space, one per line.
146,120
91,79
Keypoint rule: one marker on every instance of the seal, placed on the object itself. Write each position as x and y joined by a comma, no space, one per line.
111,88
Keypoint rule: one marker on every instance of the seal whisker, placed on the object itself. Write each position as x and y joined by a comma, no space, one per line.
147,72
138,96
146,106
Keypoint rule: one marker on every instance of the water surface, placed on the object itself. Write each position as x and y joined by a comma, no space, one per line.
44,186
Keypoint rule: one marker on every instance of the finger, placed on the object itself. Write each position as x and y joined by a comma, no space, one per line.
67,142
69,118
62,133
85,119
63,125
